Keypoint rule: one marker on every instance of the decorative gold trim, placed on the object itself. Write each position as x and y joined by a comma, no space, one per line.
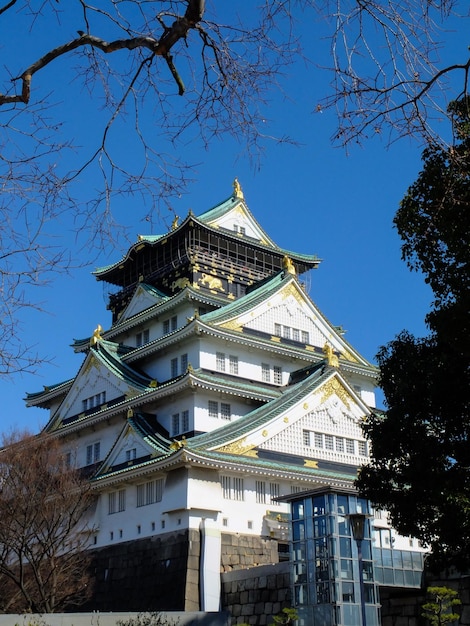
311,463
238,447
332,387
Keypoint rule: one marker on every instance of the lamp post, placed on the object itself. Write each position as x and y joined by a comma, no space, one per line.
358,521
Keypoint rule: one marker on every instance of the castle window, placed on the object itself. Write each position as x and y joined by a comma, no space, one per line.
305,336
170,324
274,492
213,409
185,421
265,372
116,501
150,492
94,401
329,442
131,454
233,364
339,442
175,424
362,445
93,453
179,423
277,371
184,363
220,362
306,438
174,368
225,411
278,330
142,338
233,488
260,489
318,440
350,448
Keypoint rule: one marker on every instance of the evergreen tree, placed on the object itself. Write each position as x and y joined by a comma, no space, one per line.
420,466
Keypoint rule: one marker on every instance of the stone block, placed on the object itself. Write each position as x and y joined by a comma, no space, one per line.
247,609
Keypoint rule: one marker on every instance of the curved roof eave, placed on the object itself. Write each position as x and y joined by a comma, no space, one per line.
100,273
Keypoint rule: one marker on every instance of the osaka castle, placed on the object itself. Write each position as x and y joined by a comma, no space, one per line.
218,416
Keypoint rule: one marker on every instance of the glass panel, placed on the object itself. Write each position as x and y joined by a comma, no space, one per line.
407,562
319,526
343,508
298,551
345,547
387,558
300,594
347,591
388,576
346,569
300,572
369,594
343,525
399,577
298,531
297,510
366,550
319,505
367,570
417,560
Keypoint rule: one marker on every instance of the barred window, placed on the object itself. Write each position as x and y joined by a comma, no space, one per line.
116,501
225,411
174,368
318,440
277,371
232,488
306,437
185,421
260,488
278,330
131,454
265,372
329,442
339,444
184,363
220,362
233,364
142,338
238,489
150,492
93,453
274,492
350,446
175,424
213,409
362,448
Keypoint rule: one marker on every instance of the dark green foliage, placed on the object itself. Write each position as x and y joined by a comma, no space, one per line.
420,468
438,608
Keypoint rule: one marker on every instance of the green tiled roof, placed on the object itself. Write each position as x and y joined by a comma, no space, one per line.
261,415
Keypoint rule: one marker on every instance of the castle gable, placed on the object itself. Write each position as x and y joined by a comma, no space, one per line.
319,420
129,450
144,297
284,311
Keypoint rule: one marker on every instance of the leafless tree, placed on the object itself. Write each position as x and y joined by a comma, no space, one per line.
43,527
162,73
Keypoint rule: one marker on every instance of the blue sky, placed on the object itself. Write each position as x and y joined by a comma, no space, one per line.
311,198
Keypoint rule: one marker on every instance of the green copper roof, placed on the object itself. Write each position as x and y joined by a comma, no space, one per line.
261,415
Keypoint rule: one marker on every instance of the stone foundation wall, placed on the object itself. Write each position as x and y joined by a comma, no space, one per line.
152,574
242,551
255,595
